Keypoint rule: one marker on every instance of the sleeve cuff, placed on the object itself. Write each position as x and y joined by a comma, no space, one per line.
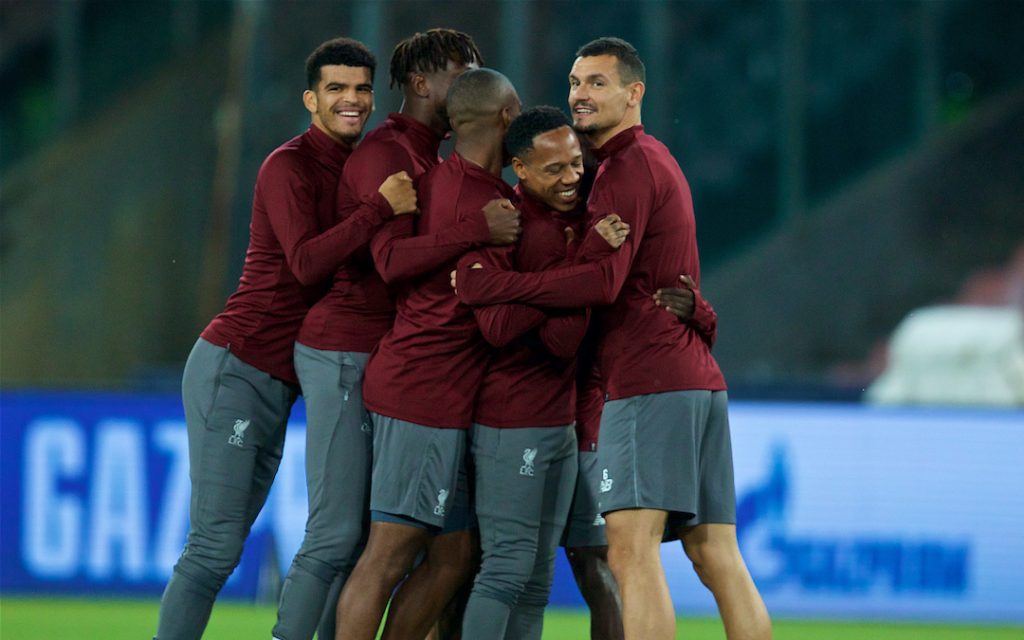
381,207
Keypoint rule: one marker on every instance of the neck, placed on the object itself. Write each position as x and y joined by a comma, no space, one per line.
421,111
597,139
348,144
483,148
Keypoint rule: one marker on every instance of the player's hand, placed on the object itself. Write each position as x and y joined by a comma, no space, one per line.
454,275
503,221
613,230
680,302
397,189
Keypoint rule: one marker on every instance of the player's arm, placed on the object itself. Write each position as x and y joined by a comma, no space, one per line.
400,254
687,304
583,285
500,324
313,255
563,332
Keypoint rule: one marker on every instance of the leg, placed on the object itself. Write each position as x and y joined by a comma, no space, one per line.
716,558
449,625
527,620
420,600
510,467
600,591
634,555
329,617
586,547
389,555
711,543
236,418
338,462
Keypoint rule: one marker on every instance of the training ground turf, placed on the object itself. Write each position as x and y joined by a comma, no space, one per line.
60,619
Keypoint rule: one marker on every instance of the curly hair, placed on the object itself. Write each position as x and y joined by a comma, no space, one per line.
345,51
530,124
431,51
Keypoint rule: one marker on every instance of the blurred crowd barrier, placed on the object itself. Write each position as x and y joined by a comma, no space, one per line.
843,510
955,355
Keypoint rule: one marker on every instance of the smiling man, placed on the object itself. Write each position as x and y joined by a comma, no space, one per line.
341,330
239,382
665,452
522,441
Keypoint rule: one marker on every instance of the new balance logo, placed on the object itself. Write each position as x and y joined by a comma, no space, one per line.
442,495
528,456
606,482
238,438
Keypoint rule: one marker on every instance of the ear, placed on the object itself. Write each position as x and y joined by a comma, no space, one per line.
309,100
419,85
519,168
636,93
506,117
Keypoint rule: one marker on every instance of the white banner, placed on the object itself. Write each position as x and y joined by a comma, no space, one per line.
855,512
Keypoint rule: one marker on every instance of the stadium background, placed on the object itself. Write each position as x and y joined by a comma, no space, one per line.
853,163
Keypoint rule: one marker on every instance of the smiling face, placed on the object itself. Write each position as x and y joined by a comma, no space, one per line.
551,171
601,104
341,102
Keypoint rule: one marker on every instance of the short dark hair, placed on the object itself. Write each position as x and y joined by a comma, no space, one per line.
477,93
530,124
345,51
431,51
631,67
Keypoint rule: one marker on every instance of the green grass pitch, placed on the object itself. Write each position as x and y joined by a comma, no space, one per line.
75,619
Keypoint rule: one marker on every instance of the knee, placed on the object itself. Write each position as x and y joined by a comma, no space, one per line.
207,569
713,559
337,548
504,576
537,591
593,576
211,555
641,553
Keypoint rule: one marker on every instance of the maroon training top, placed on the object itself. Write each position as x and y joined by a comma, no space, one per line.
643,349
289,253
428,367
531,381
358,310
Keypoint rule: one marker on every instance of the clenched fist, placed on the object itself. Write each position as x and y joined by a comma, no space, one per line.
503,221
397,189
613,230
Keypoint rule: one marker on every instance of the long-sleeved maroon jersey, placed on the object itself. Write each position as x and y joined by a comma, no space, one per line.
290,255
358,310
642,349
428,367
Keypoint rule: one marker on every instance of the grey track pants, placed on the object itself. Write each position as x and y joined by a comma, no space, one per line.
339,456
236,417
524,485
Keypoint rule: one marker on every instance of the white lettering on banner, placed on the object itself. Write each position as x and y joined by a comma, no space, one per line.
92,518
118,502
172,525
54,451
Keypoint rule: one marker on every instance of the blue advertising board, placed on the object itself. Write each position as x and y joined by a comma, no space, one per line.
843,511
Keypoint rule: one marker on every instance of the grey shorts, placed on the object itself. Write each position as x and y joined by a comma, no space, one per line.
585,527
669,451
416,473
